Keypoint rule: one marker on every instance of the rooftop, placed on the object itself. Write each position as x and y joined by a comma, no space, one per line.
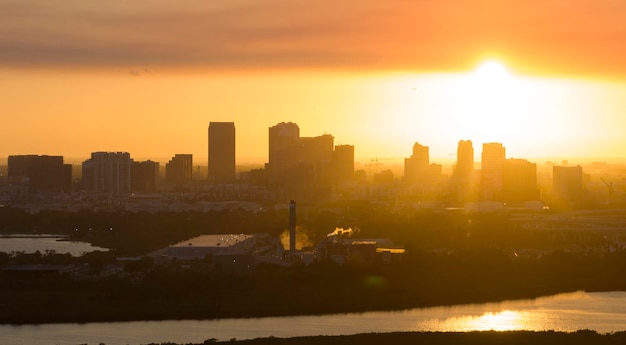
222,240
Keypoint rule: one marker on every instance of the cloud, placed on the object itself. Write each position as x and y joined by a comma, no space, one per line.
140,72
570,36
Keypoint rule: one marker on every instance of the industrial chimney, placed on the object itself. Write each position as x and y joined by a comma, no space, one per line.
292,226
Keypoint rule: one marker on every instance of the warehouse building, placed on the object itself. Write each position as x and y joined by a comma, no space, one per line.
206,246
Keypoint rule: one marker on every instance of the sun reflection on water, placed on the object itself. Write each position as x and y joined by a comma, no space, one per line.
501,321
505,320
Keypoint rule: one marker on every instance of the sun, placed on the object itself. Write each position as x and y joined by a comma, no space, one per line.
492,71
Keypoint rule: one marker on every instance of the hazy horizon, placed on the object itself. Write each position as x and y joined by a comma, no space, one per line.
546,81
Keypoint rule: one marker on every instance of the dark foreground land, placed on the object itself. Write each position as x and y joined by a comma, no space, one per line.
483,338
450,259
422,280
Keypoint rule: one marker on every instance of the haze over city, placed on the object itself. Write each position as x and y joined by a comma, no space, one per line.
319,172
148,77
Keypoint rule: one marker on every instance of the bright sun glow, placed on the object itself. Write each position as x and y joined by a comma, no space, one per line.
492,70
502,321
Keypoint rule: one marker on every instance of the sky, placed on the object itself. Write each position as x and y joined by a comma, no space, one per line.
147,77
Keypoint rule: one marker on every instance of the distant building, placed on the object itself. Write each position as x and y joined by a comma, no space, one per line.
519,181
358,251
343,163
283,150
179,170
222,152
144,176
316,153
415,167
39,174
463,175
464,160
567,183
107,172
208,245
492,162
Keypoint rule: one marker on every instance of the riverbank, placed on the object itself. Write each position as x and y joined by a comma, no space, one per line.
173,293
485,338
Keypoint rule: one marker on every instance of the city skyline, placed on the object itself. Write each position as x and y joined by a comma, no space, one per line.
379,77
398,159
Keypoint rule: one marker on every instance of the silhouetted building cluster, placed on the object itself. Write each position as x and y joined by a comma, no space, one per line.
35,174
307,169
144,176
107,172
179,170
567,183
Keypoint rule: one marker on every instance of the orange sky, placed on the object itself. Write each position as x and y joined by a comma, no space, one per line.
148,76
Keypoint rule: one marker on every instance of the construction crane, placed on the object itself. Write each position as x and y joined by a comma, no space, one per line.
609,185
375,163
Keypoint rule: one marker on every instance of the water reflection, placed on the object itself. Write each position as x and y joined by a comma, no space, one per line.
602,312
32,244
506,320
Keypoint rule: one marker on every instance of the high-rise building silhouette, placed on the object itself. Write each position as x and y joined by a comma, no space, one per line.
39,174
422,177
343,163
464,159
463,176
416,167
107,172
519,181
179,170
491,164
306,167
144,176
283,150
567,184
222,152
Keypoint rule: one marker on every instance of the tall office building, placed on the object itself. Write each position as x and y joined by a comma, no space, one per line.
519,181
492,162
316,154
463,176
144,176
222,152
283,149
107,172
179,170
464,159
343,163
567,183
416,166
316,149
39,174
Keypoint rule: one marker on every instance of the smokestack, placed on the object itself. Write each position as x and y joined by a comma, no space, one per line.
292,226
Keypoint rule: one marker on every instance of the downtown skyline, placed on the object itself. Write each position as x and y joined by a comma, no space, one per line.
394,160
548,81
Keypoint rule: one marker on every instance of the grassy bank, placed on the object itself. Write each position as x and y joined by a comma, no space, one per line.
484,338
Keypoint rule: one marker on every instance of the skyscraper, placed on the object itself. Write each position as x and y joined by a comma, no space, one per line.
222,152
144,176
39,174
179,169
464,172
343,163
283,149
519,181
417,165
107,172
464,159
491,164
567,183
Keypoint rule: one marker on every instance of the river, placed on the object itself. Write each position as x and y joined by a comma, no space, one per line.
32,243
603,312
